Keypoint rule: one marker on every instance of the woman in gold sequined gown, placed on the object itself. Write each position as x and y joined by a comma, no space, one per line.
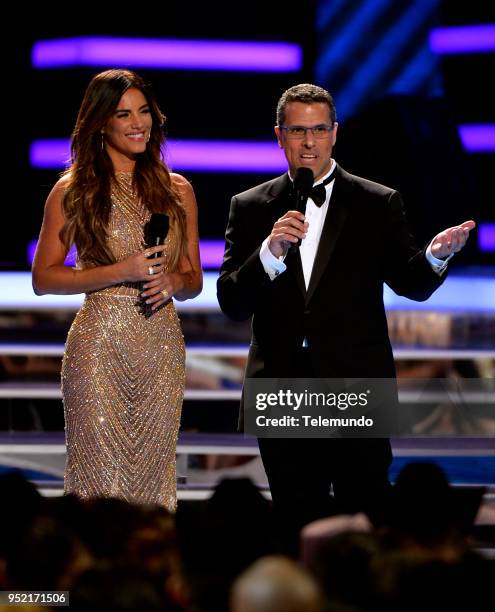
123,370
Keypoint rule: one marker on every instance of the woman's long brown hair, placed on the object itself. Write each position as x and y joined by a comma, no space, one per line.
86,203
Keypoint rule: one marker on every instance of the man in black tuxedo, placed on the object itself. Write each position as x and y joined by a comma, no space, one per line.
318,310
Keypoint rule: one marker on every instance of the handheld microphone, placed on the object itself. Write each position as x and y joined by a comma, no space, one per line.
155,232
303,183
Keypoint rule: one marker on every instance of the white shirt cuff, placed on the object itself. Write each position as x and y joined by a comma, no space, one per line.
272,265
438,265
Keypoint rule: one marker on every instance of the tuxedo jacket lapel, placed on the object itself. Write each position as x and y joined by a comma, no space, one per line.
336,215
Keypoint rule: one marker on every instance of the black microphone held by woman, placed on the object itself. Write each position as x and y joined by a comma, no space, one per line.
155,233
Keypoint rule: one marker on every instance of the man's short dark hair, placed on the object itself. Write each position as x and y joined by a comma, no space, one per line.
308,94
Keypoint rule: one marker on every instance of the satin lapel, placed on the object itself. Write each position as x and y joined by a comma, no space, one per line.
279,204
278,198
334,221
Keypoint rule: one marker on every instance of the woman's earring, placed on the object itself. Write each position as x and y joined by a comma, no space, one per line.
102,140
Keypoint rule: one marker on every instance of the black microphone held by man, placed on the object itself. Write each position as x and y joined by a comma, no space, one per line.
303,183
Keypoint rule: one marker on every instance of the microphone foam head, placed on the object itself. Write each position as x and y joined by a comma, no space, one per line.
157,226
303,180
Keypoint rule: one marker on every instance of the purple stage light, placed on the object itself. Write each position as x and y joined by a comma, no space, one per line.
234,156
70,260
478,138
179,54
486,237
31,250
211,253
214,156
53,153
225,156
463,39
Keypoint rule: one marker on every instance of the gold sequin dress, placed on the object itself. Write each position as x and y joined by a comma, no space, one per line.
123,378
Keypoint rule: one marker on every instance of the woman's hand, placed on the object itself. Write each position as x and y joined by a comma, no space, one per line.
162,288
138,267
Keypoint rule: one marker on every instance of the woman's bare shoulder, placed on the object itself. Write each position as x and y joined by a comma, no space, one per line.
185,190
62,183
179,181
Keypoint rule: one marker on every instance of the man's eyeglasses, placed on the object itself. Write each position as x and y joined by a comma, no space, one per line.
299,131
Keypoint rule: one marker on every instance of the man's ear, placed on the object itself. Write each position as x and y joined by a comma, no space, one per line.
278,134
335,127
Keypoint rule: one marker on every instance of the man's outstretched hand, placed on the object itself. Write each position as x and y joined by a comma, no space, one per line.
451,240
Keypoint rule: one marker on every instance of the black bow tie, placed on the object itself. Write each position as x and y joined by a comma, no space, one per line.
319,194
